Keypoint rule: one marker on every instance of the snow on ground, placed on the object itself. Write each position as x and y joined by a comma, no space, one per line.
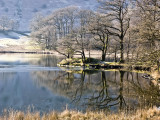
12,41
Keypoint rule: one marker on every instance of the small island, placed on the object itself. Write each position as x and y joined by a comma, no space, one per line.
92,63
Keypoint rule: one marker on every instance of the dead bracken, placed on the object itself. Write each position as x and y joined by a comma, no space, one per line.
145,114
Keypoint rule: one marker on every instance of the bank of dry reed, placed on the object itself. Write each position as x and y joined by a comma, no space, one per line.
150,114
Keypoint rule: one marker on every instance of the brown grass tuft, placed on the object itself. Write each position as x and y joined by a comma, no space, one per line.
150,114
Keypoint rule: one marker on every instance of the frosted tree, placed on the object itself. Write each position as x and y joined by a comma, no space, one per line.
98,28
117,10
4,23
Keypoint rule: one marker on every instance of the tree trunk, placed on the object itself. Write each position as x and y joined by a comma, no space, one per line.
115,56
83,57
89,55
121,51
103,56
68,56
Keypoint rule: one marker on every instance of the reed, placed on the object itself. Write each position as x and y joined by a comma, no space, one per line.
145,114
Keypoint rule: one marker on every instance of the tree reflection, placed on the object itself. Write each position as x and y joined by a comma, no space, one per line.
106,90
79,90
47,61
147,94
103,99
121,89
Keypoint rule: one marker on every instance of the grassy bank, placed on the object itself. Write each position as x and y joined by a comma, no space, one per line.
151,114
97,64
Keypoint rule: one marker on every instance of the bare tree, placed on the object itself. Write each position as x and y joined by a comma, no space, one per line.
13,25
65,46
97,27
8,24
117,10
36,22
4,20
81,32
145,31
149,13
47,30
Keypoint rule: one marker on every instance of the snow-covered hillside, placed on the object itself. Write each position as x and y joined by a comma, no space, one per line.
15,41
24,10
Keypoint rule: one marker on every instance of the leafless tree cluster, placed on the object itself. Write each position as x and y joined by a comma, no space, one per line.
127,28
64,31
145,31
8,24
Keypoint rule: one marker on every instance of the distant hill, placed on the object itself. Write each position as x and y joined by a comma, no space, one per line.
16,41
12,34
24,10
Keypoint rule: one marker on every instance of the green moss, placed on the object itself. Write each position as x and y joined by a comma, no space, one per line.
76,64
78,61
63,62
91,60
97,64
70,61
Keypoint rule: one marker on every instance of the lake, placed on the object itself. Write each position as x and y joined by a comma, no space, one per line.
34,82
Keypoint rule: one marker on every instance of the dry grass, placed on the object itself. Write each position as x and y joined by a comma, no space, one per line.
151,114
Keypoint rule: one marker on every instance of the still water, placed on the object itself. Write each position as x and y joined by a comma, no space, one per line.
35,82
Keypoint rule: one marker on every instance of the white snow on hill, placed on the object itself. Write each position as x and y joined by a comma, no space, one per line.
14,41
24,10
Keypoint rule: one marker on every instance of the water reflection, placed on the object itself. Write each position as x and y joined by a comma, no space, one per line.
105,90
47,61
104,98
52,89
